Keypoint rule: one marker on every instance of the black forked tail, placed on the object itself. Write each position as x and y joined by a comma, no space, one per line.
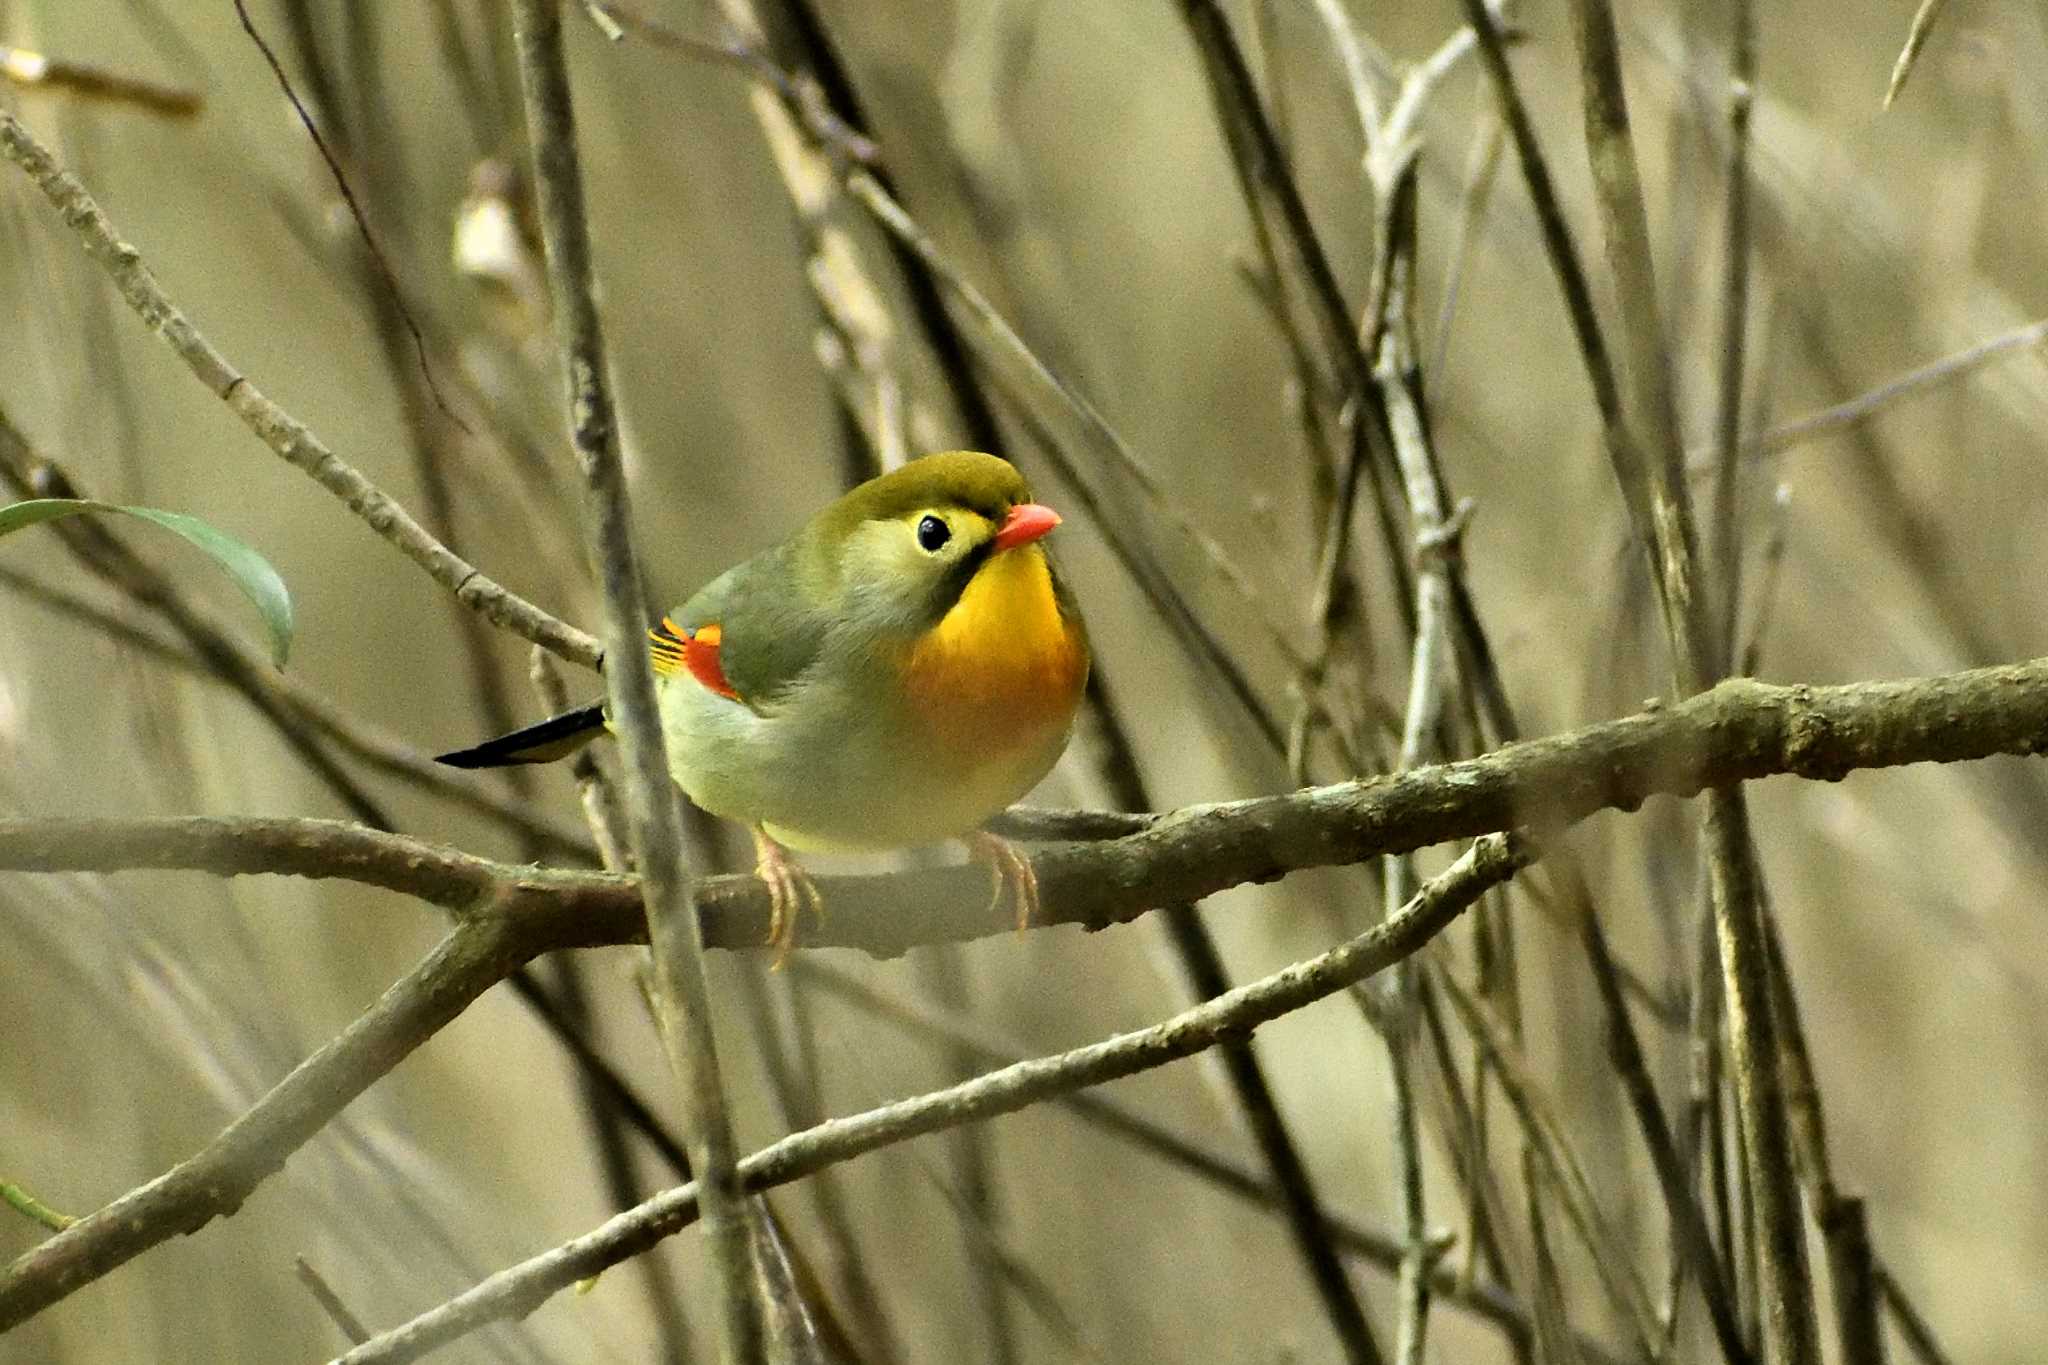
556,737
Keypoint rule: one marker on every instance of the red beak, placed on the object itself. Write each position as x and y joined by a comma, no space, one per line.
1027,522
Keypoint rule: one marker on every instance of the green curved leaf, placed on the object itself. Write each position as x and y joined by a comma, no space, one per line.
250,571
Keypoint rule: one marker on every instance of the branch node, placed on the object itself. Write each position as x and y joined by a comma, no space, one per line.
1812,749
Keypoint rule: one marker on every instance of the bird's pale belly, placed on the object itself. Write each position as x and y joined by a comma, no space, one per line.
841,778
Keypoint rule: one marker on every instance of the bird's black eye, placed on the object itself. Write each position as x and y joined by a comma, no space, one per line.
932,534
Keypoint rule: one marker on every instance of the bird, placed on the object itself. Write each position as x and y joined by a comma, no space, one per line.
905,665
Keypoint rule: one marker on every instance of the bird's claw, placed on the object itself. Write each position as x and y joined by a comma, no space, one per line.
1013,874
790,892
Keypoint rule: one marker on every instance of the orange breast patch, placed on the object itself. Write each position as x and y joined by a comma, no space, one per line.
1002,663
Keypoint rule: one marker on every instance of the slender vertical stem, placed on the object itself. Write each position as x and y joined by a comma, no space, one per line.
654,815
1688,1225
1207,978
1656,485
1394,372
1915,1329
1727,546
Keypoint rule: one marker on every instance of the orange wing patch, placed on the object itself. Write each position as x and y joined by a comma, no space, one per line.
678,649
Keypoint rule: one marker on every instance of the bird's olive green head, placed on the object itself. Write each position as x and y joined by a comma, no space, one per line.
897,552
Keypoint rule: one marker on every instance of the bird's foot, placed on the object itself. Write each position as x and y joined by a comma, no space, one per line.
1013,874
790,892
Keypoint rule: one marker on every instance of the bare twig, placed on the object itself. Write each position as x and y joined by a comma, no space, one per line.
1800,430
682,995
519,1289
1379,1247
1657,476
1916,38
386,276
1726,542
1107,742
290,439
330,1302
799,95
1845,1231
1689,1234
214,1181
1390,162
1482,166
1561,1166
1852,1279
1917,1331
37,69
1203,966
32,1208
606,1118
1622,452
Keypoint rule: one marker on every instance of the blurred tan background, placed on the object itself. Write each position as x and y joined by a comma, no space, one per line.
1067,156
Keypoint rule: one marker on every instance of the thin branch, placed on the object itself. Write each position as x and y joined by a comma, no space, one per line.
330,1302
972,1190
1845,1231
1108,743
1726,542
1561,1166
1657,464
1917,1331
37,69
1287,241
800,96
214,1181
386,276
1103,1109
1391,164
966,1034
32,1208
518,1290
1482,166
1812,426
1622,452
682,996
1852,1279
1202,964
1694,1245
290,439
1917,34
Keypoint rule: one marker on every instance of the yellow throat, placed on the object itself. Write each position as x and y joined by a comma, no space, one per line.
1003,664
